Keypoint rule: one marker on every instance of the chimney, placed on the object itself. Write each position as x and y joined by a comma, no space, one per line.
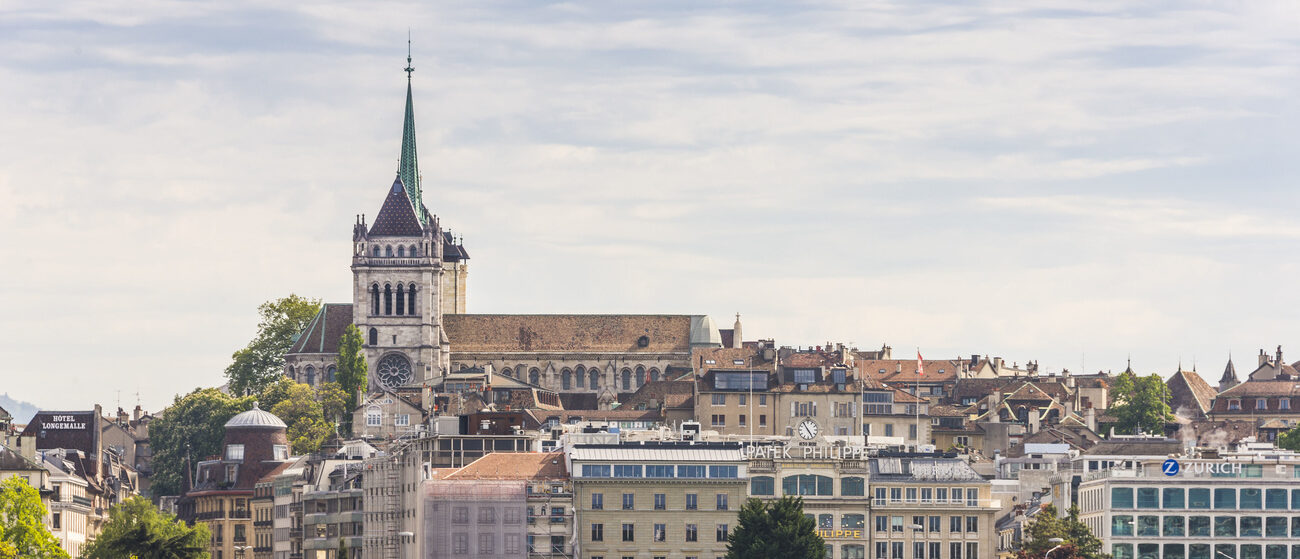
974,359
737,340
1034,421
1279,360
1263,358
139,411
997,365
1091,418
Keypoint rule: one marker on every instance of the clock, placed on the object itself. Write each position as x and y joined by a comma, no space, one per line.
807,429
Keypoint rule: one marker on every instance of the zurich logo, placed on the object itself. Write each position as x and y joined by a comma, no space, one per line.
1170,467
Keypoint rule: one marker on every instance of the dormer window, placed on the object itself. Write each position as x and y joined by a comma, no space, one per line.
1261,403
1284,404
1234,405
234,452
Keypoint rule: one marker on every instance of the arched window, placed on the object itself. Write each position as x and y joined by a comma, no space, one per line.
410,299
595,379
374,337
566,378
329,373
401,251
1022,415
388,299
654,374
374,250
534,376
401,299
507,372
293,374
388,251
374,297
413,251
581,377
310,373
640,376
627,379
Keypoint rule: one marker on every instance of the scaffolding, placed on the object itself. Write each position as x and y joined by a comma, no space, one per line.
474,518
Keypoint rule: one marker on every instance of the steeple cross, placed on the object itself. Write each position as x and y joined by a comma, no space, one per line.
409,69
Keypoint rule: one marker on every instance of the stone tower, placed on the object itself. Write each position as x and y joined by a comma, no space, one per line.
398,268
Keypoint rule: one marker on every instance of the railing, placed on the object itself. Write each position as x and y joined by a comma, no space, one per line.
967,503
295,533
762,465
295,507
261,523
241,513
395,261
83,501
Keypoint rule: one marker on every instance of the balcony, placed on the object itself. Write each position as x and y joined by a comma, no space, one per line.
762,465
295,507
295,533
968,504
394,261
261,523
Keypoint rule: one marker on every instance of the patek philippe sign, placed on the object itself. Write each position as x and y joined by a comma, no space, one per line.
809,452
840,534
64,423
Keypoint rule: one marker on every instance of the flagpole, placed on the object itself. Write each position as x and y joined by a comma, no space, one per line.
917,394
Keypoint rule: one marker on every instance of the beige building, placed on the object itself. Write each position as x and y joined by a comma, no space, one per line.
658,499
544,507
931,507
833,489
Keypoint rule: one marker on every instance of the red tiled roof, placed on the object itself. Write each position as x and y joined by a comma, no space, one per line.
515,466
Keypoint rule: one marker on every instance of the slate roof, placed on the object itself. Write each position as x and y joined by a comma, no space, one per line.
397,216
1229,373
451,250
531,466
1187,388
11,461
322,334
489,333
579,400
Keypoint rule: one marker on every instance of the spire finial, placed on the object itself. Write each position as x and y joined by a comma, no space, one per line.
409,68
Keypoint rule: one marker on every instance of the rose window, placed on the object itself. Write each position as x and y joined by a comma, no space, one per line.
394,370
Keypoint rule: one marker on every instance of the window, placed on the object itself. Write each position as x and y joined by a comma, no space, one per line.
1275,527
629,532
852,551
896,550
56,521
852,487
762,420
512,544
1275,499
882,523
1252,527
661,501
659,470
1148,526
629,501
1198,526
722,532
936,523
1225,498
806,484
627,470
1121,525
826,522
235,452
692,533
660,532
691,471
729,472
911,494
743,399
1174,526
762,400
718,420
741,422
486,544
402,420
1121,497
487,516
895,494
460,515
719,399
1225,527
972,524
374,418
1148,498
852,521
762,485
896,524
1234,404
1173,498
722,501
972,549
460,543
1251,498
692,501
595,470
1261,403
1284,404
1198,498
557,544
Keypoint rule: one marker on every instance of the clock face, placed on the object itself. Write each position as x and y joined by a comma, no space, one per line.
807,429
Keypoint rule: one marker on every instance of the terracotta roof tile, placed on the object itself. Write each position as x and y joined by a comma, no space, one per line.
892,374
1189,389
539,466
470,333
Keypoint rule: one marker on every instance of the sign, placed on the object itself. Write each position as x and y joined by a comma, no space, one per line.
840,534
822,452
1170,467
64,423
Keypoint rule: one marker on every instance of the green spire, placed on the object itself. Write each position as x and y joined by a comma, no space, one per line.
409,169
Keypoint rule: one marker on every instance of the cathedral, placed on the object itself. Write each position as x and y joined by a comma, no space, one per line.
409,280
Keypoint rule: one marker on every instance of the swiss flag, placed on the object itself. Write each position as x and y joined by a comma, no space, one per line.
920,367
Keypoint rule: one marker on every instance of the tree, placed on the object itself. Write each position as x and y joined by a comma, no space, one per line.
257,365
276,392
1077,540
1290,440
333,402
351,370
775,531
136,528
22,523
193,426
300,411
1140,404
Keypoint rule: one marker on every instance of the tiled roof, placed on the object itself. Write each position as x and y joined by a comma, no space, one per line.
537,466
451,250
11,461
1140,447
600,415
270,476
669,393
471,333
940,410
812,359
1220,433
322,334
580,400
892,374
397,216
1187,388
726,358
1262,388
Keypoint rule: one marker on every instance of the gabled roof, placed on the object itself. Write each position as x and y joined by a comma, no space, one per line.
668,393
1229,373
322,334
11,461
872,367
1186,388
621,333
397,217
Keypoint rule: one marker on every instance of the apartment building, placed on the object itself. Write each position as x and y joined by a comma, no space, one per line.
930,507
545,505
657,499
332,510
832,483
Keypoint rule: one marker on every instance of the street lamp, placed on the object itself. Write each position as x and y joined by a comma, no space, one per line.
240,549
404,536
1058,541
1224,554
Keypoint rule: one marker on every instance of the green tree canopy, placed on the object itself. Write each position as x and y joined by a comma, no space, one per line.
1077,541
136,528
351,371
195,423
1290,440
304,417
778,530
260,363
1140,404
22,523
334,402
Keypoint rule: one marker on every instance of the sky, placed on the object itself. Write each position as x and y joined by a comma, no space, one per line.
1075,183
